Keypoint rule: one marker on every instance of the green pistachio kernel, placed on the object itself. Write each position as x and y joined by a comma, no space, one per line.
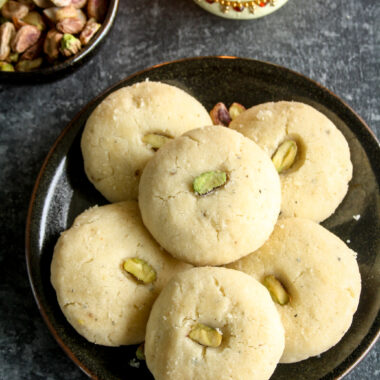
140,354
206,335
13,57
235,110
209,181
5,66
276,290
70,45
285,155
140,269
155,140
28,65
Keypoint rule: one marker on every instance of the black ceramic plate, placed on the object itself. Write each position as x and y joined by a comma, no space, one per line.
62,191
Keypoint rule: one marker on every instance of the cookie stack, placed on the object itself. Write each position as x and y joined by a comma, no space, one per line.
210,251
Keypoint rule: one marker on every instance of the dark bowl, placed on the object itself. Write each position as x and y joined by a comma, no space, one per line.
62,191
66,67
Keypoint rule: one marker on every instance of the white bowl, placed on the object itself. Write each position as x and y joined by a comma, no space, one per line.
241,9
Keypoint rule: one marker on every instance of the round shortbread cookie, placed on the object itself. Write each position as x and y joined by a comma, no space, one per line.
237,306
112,143
224,225
103,302
318,180
321,277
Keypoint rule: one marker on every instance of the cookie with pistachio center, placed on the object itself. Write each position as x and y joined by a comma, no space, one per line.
308,150
314,280
128,127
107,271
210,196
213,323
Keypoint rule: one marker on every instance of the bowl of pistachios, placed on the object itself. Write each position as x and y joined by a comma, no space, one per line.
46,39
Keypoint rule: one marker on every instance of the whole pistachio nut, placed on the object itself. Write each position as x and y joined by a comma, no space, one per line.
285,155
52,44
51,15
65,12
5,66
140,269
69,45
7,33
28,65
43,3
209,181
276,290
70,25
81,15
235,110
89,31
97,9
140,354
14,9
35,18
25,37
34,51
78,3
220,115
155,140
205,335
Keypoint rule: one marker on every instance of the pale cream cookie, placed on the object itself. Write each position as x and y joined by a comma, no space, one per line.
316,183
236,214
127,127
102,301
318,286
213,323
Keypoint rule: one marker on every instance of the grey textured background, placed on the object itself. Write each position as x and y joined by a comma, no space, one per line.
333,42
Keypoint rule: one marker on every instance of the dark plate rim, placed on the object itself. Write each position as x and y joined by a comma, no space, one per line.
345,367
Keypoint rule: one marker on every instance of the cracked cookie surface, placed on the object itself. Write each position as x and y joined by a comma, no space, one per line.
321,277
228,301
224,224
103,302
318,180
113,141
